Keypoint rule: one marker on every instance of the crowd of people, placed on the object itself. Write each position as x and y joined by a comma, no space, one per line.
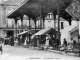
14,41
68,45
50,41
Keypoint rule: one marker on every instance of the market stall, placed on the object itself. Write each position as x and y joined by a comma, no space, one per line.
41,36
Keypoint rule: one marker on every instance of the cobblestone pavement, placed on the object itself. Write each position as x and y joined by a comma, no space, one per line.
21,53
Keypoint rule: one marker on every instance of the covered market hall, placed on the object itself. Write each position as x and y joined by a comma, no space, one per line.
38,10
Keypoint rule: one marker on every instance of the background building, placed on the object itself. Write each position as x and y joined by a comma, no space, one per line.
8,27
67,31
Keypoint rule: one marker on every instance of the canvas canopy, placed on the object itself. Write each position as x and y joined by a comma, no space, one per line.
44,31
24,32
74,29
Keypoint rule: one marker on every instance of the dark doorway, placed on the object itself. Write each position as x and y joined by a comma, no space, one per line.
9,33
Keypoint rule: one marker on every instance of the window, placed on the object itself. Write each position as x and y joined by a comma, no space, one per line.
49,27
49,15
62,26
49,21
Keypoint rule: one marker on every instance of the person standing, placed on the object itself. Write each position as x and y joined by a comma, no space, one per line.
25,42
71,45
16,41
12,41
74,44
65,43
71,42
47,41
1,46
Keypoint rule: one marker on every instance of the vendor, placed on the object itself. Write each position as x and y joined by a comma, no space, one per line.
25,43
65,42
1,45
47,41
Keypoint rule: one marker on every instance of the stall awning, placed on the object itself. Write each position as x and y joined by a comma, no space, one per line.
24,32
74,29
43,31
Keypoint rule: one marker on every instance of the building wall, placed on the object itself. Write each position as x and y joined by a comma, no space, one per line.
9,6
74,35
49,23
3,33
65,30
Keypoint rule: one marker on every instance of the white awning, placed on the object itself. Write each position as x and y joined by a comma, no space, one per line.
43,31
24,32
74,29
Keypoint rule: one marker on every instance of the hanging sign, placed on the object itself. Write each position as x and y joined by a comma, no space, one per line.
74,9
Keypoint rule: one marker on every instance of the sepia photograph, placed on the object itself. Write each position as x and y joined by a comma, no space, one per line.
39,29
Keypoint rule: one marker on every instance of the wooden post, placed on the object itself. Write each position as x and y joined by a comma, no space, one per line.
43,22
29,29
54,27
35,41
21,22
16,25
58,12
54,22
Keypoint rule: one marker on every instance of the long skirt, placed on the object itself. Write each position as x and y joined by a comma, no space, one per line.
0,48
46,44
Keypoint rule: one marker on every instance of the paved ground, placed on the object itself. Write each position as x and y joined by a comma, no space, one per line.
21,53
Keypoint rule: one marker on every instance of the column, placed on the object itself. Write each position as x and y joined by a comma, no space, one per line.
29,29
21,23
16,25
54,21
35,40
54,17
43,22
58,12
40,24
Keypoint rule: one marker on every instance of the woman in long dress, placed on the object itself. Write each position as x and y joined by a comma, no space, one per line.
25,43
1,46
47,41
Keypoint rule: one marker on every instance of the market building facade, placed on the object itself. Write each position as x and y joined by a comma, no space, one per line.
7,26
10,28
